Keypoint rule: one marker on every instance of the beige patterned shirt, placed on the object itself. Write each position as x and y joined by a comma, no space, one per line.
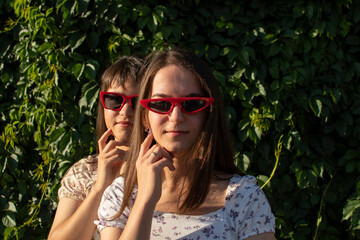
78,182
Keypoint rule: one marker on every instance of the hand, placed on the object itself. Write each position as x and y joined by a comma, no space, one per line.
110,160
149,166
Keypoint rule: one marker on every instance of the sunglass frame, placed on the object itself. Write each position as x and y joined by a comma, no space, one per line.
124,97
177,101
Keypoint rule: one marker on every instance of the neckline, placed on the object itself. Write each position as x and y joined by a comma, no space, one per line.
227,194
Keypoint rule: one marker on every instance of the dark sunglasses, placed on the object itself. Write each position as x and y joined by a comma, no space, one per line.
188,105
116,101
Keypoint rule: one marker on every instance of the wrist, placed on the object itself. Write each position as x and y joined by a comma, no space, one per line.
99,187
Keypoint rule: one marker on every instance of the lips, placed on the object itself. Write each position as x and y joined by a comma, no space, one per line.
125,123
176,132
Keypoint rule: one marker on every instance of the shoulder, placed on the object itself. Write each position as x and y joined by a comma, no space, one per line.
243,193
241,184
84,165
248,207
79,179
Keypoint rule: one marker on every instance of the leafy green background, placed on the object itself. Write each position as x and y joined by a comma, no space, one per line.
289,72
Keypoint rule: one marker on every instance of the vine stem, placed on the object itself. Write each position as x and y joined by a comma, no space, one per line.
319,217
277,157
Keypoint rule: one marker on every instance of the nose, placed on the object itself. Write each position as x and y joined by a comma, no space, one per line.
126,110
176,115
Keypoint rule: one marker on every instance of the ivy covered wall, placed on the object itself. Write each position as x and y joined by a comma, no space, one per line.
289,72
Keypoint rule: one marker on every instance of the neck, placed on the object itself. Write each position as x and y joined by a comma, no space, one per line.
173,179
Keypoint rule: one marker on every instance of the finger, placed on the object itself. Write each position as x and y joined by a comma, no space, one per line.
162,152
164,162
103,139
157,152
146,144
153,153
114,158
113,144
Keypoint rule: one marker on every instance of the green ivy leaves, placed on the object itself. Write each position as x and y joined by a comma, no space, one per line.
288,73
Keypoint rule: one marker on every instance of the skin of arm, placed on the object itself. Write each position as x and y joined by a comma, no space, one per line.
75,219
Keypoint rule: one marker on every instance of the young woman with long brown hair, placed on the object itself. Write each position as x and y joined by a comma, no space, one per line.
180,181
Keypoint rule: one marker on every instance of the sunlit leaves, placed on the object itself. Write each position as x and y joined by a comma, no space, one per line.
351,210
285,69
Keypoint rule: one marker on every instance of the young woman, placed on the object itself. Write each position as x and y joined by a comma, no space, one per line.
180,180
84,183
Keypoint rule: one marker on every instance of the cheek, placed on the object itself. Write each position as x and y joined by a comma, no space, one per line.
109,116
199,120
155,121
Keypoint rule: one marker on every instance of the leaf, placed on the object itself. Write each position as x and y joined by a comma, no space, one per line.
244,57
261,179
44,47
90,71
142,21
9,220
90,95
309,11
8,233
56,135
65,143
350,206
316,106
243,161
350,166
76,40
335,94
274,72
93,40
243,124
78,70
341,127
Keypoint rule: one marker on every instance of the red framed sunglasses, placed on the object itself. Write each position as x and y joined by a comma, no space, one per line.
188,105
116,101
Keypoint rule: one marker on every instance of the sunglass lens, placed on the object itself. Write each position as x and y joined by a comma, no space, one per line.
113,101
160,106
193,105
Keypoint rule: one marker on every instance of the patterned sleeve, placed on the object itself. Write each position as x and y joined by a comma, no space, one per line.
251,209
110,206
79,179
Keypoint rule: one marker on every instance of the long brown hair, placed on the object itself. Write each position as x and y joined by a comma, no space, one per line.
124,70
212,150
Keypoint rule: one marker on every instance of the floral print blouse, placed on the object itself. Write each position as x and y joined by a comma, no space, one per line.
246,213
78,182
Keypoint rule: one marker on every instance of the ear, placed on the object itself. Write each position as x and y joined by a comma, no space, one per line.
145,122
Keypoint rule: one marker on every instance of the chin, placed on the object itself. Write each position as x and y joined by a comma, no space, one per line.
177,150
122,137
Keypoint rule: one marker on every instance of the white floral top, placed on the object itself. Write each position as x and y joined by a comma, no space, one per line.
78,182
246,213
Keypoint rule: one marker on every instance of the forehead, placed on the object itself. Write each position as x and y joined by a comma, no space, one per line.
175,81
128,88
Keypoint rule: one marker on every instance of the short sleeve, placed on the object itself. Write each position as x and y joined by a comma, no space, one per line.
250,208
110,206
79,179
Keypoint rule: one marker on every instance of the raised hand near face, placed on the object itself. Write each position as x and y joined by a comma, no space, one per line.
110,159
149,166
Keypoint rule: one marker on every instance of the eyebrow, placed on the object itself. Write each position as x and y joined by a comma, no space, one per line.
160,95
